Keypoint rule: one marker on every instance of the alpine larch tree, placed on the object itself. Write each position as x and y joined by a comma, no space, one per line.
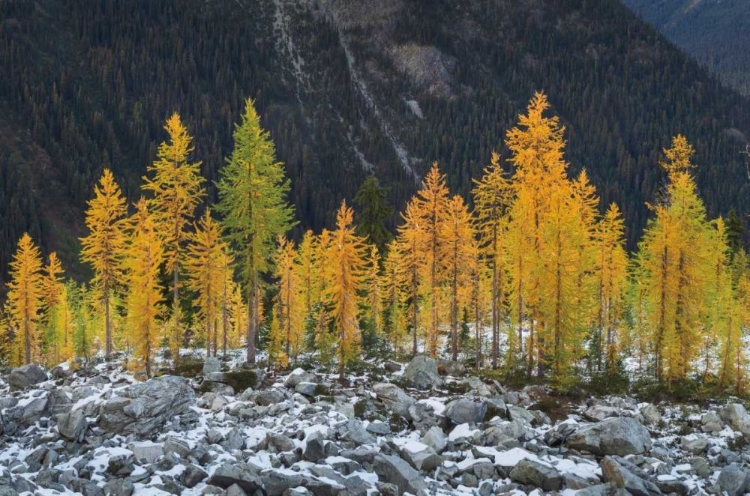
177,188
253,194
105,243
25,298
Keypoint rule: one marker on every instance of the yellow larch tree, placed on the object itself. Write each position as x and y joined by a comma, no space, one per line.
345,271
54,304
611,280
308,273
177,188
105,243
675,262
492,196
459,258
409,264
394,298
431,203
25,298
540,185
142,261
290,302
204,267
277,357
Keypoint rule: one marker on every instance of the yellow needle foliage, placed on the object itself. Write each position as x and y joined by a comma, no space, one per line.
25,299
177,188
144,256
289,301
105,242
344,270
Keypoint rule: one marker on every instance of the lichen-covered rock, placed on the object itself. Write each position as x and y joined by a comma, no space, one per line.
142,409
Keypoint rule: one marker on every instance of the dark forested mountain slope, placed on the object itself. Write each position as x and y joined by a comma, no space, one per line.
715,32
345,87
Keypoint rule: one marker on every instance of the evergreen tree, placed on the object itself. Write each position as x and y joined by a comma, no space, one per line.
105,243
289,301
252,193
54,303
374,212
177,188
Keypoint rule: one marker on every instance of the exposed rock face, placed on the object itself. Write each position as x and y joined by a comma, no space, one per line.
422,373
736,417
28,375
614,436
142,409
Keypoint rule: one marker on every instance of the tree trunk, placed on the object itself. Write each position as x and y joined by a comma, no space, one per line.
107,323
252,328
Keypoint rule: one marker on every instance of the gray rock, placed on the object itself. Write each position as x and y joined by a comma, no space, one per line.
72,426
477,387
119,487
710,422
650,414
421,456
466,411
352,485
451,368
34,410
422,373
519,413
733,480
211,365
394,470
315,450
269,397
306,389
175,445
694,443
236,473
298,376
233,440
394,398
279,442
483,470
355,432
147,451
598,413
736,416
192,475
235,490
435,439
614,436
25,376
143,409
617,474
276,482
378,428
58,402
536,474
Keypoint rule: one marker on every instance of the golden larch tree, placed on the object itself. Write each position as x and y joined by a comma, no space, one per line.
144,256
54,303
409,265
177,188
290,302
25,297
345,270
105,243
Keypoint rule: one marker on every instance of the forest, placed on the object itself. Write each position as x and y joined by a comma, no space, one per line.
525,277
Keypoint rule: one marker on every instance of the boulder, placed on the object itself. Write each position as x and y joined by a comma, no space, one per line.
597,413
58,402
192,475
614,472
308,389
236,473
614,436
736,416
72,426
711,422
146,451
298,376
25,376
269,397
421,456
466,411
537,474
143,409
435,439
650,414
422,373
396,471
694,443
394,398
276,482
733,480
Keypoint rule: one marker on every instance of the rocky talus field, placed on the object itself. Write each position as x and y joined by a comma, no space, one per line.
427,427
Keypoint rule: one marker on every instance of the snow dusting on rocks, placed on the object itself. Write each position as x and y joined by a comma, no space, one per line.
426,428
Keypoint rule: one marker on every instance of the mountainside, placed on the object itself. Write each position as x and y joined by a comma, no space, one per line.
346,88
715,32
